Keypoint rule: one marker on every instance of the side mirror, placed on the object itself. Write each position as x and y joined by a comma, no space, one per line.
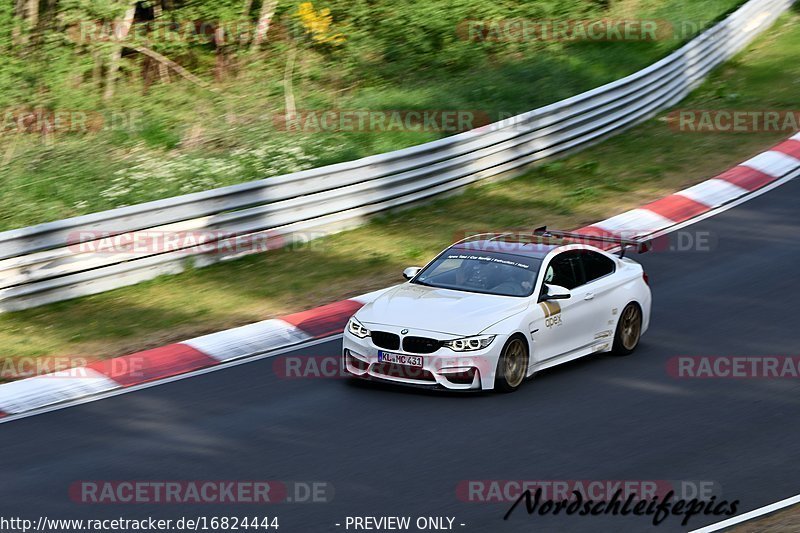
554,292
410,272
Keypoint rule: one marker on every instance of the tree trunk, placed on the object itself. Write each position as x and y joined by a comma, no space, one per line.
19,9
97,70
26,13
163,71
264,20
32,13
20,31
221,66
19,21
120,33
288,86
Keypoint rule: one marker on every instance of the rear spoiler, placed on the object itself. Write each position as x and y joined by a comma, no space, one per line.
641,246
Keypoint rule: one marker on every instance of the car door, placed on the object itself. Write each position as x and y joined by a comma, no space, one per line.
600,284
562,326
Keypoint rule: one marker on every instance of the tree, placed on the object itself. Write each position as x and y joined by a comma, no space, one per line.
264,19
27,16
316,27
121,32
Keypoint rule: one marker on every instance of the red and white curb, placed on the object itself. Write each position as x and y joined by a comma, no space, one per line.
747,179
174,359
739,182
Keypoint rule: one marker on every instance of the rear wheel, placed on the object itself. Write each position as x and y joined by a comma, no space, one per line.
512,365
629,330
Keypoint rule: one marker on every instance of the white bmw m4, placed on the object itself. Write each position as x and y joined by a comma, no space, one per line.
489,312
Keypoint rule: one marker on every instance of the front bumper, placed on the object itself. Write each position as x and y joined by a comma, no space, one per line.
443,368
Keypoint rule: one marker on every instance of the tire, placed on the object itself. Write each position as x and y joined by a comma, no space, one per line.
512,366
629,330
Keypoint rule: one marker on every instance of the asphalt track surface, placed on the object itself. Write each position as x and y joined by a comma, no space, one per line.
404,452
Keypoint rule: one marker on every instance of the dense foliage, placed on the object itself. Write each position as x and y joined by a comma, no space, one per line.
180,95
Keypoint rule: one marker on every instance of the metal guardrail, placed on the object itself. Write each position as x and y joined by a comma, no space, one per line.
40,264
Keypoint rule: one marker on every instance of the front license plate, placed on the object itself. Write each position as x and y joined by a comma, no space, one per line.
399,359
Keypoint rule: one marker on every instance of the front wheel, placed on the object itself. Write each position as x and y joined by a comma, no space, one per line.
629,330
512,365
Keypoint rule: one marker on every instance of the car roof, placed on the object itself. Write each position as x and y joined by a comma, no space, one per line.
526,247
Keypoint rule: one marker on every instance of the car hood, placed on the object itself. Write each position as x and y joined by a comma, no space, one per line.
443,310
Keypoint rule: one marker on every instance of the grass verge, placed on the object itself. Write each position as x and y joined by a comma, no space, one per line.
639,166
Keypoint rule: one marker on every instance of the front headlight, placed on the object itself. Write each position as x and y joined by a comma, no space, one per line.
469,344
356,328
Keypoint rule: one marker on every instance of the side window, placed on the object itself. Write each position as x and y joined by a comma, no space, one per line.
565,270
596,265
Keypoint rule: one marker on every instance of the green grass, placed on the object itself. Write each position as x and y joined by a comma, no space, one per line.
183,139
641,165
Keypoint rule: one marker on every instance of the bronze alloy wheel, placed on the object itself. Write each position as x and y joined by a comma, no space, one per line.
515,362
631,327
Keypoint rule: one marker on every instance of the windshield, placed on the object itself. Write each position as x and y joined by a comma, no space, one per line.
483,272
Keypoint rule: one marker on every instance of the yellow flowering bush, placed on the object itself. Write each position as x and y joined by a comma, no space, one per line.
317,24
